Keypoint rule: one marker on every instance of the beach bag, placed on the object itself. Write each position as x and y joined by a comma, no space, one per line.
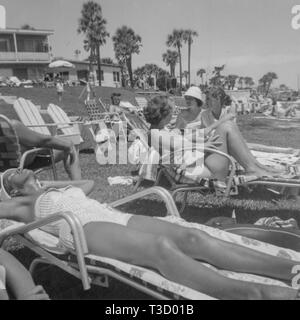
103,146
137,152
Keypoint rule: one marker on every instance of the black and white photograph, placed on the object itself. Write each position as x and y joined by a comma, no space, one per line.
149,150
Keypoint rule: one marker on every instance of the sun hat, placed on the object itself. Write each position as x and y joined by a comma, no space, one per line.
4,195
195,92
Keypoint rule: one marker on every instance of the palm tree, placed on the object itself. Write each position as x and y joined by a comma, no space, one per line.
77,53
231,81
140,74
185,74
266,81
216,80
175,39
241,82
126,43
27,27
188,38
248,82
93,25
200,74
107,61
89,46
171,58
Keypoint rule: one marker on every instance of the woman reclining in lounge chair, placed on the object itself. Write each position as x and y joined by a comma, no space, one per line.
212,123
63,150
150,242
18,280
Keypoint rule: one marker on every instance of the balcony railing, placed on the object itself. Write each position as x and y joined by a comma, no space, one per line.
8,56
25,56
33,56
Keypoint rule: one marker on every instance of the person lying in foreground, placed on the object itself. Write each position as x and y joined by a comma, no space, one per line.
18,280
229,134
63,150
172,250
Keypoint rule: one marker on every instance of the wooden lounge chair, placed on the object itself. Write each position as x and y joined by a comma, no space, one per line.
31,117
64,123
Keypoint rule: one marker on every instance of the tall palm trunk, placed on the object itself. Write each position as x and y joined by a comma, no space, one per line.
180,69
129,67
189,61
91,61
173,70
123,77
99,63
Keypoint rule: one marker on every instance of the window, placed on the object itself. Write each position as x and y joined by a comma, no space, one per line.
6,43
116,76
32,44
102,75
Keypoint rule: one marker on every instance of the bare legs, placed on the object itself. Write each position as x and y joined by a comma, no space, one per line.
235,145
171,249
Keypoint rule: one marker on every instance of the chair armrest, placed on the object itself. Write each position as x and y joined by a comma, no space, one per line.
161,192
80,244
30,152
52,127
231,161
70,218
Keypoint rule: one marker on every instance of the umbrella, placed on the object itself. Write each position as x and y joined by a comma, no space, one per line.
61,64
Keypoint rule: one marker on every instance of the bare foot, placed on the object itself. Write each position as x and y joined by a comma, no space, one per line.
259,173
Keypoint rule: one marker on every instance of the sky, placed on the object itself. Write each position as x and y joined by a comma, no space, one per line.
251,37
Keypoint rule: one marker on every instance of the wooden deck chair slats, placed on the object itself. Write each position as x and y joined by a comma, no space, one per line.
64,123
30,116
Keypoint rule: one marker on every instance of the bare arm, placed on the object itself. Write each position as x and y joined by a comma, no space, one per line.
30,138
19,279
86,185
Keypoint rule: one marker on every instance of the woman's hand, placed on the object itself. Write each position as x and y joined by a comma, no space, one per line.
37,293
213,142
71,154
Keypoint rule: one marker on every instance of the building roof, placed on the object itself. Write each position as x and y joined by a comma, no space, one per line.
87,63
27,31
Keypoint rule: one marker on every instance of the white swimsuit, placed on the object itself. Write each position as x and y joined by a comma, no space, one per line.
72,199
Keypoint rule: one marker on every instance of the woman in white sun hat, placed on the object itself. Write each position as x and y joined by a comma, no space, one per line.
229,134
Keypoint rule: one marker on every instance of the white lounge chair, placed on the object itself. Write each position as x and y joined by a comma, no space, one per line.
97,270
31,117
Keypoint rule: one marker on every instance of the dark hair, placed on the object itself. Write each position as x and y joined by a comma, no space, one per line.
218,92
114,95
158,108
227,100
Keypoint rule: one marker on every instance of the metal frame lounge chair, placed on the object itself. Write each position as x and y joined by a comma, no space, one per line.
173,177
235,178
91,269
10,149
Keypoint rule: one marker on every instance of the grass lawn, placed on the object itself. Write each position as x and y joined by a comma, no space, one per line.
200,209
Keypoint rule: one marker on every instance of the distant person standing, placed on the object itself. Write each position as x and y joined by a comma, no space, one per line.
59,89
